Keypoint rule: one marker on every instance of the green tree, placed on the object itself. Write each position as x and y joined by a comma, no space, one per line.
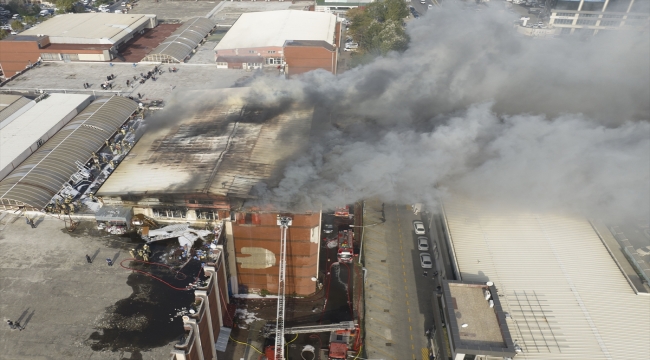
379,27
29,20
65,5
17,25
396,10
3,34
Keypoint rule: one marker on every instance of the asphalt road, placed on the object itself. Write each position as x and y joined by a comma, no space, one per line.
398,295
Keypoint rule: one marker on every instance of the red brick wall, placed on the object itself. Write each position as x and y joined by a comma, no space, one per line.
16,55
204,331
301,59
301,253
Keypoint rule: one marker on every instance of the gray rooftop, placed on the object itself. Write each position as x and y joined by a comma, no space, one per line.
43,173
471,308
9,107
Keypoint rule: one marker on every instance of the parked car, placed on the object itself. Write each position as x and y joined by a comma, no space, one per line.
423,243
425,261
328,228
418,226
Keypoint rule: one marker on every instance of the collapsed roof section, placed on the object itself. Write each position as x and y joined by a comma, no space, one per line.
43,174
179,45
222,150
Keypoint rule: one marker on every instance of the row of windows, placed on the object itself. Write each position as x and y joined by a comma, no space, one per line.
563,21
586,22
255,52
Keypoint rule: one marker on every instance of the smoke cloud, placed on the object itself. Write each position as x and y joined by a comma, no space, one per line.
472,109
475,109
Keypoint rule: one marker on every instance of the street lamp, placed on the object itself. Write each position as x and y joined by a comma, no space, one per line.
362,233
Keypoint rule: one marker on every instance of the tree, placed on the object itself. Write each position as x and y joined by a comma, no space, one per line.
17,25
29,20
379,27
3,34
65,5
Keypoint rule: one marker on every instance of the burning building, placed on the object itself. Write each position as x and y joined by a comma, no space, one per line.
205,167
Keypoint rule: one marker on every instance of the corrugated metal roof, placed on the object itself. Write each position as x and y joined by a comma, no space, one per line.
90,28
43,174
39,123
566,295
10,105
224,149
185,39
273,28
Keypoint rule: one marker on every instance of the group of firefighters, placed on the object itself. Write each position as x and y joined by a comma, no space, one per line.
143,253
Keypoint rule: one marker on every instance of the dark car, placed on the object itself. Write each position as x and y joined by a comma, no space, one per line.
328,228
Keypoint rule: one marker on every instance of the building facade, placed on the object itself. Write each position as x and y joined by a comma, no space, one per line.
592,16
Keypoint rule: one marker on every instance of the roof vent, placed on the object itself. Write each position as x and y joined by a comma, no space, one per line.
464,325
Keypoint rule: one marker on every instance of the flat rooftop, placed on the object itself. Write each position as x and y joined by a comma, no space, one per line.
39,122
565,294
101,28
273,28
471,308
221,149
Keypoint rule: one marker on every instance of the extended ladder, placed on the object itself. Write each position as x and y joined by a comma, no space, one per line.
284,223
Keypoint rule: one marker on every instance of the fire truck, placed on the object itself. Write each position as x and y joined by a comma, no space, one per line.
346,251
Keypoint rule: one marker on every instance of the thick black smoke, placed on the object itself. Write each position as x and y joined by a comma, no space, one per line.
474,108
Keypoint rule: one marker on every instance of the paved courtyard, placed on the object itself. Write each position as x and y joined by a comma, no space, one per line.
60,299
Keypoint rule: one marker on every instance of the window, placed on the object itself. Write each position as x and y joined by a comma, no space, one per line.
610,23
251,51
563,21
271,51
586,22
274,61
50,56
222,63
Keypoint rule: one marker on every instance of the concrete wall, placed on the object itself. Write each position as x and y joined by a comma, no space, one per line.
262,51
257,251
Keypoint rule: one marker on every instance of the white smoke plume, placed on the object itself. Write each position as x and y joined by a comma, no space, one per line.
474,108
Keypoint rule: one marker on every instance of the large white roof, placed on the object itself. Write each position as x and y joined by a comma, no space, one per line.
273,28
39,122
89,28
566,295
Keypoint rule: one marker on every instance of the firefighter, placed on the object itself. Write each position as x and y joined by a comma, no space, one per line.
132,252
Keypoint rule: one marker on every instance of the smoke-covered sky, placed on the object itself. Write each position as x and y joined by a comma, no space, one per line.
474,109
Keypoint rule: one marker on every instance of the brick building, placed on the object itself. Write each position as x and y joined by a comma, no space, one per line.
292,40
207,168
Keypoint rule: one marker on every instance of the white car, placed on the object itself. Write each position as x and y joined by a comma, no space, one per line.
418,226
423,243
328,228
425,261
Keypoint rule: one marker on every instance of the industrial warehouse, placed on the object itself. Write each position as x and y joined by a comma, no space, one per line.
305,41
228,181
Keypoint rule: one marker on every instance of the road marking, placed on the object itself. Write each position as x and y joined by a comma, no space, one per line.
411,337
402,266
410,321
425,354
410,328
406,288
407,303
413,348
408,310
407,295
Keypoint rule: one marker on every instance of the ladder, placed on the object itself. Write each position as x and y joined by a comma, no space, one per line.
345,325
284,223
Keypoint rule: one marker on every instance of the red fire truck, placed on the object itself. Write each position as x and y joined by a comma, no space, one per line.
346,251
